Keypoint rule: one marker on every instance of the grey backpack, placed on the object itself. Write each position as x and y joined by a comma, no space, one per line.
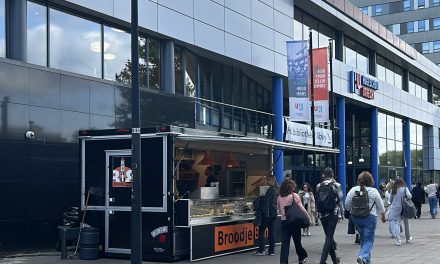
360,202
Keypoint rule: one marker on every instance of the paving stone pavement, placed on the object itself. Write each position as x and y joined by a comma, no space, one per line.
425,248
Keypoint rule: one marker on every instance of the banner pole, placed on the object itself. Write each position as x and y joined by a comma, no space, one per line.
312,97
332,101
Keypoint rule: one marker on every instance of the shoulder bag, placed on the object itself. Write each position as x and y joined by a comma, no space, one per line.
408,208
295,216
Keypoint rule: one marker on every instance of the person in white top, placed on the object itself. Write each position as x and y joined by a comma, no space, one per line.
308,201
431,190
366,225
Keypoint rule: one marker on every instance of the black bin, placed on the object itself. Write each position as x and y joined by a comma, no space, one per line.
89,243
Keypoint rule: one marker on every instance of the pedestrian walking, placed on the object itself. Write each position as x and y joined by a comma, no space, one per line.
394,214
366,222
288,197
431,191
418,198
308,201
329,206
269,216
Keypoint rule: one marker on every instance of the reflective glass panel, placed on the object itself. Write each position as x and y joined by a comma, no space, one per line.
382,124
117,55
297,30
436,23
2,29
406,5
350,57
75,44
413,133
421,25
362,63
143,69
178,70
378,10
390,127
190,75
36,34
153,64
399,129
410,27
436,46
419,135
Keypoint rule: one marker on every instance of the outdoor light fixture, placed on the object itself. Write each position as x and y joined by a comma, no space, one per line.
361,159
350,162
207,160
231,162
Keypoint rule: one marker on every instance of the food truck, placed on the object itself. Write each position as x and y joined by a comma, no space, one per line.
183,215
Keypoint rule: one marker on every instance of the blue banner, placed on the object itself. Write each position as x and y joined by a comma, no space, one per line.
298,76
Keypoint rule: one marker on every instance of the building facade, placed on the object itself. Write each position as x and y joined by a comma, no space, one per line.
215,65
416,22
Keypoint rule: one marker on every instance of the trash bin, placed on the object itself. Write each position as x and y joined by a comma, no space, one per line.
89,243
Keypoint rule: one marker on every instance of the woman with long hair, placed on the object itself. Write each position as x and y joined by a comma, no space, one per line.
308,201
394,214
288,197
366,225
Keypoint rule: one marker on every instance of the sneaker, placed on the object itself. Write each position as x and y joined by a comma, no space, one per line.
398,243
360,261
303,261
259,254
308,233
271,254
409,240
358,239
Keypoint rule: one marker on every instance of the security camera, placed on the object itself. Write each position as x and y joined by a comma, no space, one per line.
30,135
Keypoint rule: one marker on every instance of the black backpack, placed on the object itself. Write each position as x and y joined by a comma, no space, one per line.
360,200
327,198
258,204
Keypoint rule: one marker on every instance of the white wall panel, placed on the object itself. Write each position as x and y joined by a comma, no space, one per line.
167,21
182,6
262,35
242,6
283,24
148,14
284,6
262,13
209,37
267,2
221,2
280,64
238,48
210,13
262,57
280,43
238,24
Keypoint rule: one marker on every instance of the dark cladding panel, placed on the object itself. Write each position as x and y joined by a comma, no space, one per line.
102,98
176,110
14,83
123,106
102,122
45,122
44,88
75,94
16,154
14,120
71,123
14,200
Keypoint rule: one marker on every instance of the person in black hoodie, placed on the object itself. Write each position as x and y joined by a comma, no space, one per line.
418,198
269,216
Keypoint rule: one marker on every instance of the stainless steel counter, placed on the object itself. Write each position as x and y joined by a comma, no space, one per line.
221,219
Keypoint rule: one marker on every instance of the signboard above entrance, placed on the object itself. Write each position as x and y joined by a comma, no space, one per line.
363,85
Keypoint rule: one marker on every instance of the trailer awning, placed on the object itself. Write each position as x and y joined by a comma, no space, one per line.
243,144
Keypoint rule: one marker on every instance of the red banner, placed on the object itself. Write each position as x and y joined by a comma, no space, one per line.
320,84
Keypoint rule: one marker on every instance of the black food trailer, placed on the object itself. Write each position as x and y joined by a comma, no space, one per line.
180,217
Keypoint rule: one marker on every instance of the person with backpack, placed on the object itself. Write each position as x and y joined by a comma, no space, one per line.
329,206
365,203
418,198
269,215
394,214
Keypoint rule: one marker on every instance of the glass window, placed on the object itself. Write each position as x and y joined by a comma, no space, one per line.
435,2
396,29
390,127
436,97
436,23
297,30
190,74
153,63
350,57
421,4
413,132
381,68
411,87
75,44
178,70
398,129
117,55
2,29
36,34
425,47
406,5
421,25
378,10
419,135
436,46
364,10
382,148
410,27
382,123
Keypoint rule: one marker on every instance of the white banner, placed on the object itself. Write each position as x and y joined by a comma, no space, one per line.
300,133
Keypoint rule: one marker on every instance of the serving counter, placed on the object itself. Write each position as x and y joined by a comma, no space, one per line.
219,227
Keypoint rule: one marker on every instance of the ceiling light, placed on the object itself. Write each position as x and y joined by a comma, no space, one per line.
231,162
350,162
207,160
109,56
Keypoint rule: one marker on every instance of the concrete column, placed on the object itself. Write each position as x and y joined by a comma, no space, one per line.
340,122
278,156
17,30
374,152
407,151
167,75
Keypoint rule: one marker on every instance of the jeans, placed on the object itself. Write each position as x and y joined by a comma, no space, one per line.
329,226
266,223
367,228
433,205
288,231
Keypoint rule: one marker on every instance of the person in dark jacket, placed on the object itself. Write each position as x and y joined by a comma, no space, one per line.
418,198
269,216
